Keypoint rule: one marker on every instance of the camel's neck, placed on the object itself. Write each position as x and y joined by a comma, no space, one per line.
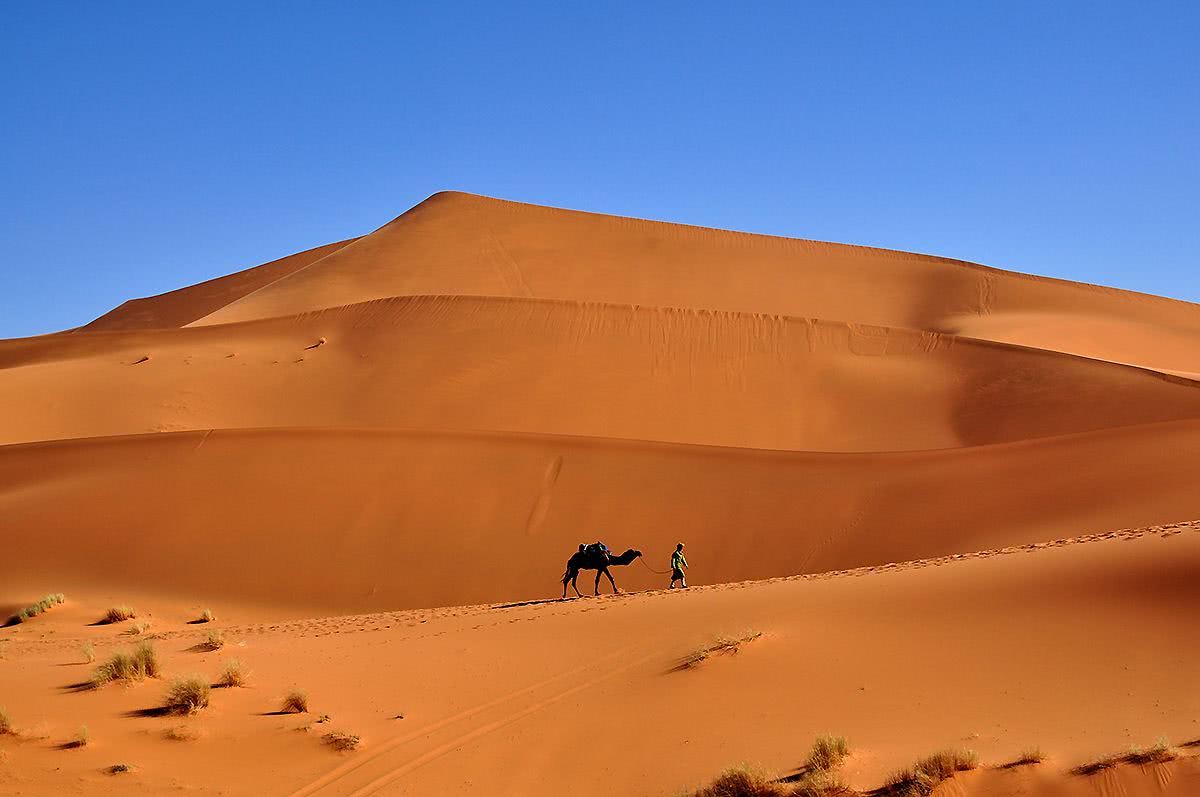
624,558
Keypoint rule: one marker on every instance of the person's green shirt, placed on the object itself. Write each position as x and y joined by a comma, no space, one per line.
678,562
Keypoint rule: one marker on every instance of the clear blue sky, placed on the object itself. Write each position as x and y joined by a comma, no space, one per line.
146,146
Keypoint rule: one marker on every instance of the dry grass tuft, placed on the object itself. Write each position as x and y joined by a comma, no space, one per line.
743,782
6,726
186,695
134,666
1032,755
118,614
828,753
214,640
89,653
117,769
207,616
83,738
342,741
727,645
1159,753
29,612
138,628
1097,765
146,660
923,777
182,733
296,702
820,784
232,675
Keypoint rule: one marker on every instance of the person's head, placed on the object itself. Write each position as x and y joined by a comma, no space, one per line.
679,547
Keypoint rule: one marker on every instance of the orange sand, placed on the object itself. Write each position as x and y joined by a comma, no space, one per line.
437,413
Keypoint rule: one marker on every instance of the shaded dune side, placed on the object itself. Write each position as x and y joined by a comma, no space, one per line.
536,366
456,243
185,305
352,521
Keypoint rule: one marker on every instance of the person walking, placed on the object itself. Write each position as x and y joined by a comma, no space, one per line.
678,565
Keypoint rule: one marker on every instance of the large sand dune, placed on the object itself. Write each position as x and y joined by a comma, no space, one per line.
459,243
435,414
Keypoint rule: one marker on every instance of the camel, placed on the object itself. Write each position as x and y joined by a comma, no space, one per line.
594,560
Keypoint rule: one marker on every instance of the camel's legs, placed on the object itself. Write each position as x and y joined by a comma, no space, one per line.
571,579
598,572
610,580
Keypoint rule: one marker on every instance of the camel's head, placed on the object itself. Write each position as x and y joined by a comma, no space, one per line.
636,553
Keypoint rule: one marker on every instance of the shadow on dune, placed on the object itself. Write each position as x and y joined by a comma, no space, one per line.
157,711
79,686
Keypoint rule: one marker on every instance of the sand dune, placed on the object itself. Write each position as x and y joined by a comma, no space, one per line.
509,365
903,470
465,244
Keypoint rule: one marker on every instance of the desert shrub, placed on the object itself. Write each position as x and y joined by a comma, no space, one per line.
817,783
137,628
944,763
118,614
146,660
134,666
295,702
1031,755
186,695
1096,765
341,741
923,777
232,675
828,752
213,640
119,667
83,737
117,769
743,782
207,616
29,612
6,726
89,653
725,644
1160,752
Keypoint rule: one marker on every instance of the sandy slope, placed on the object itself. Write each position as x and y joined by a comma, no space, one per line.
183,306
352,521
581,369
1081,647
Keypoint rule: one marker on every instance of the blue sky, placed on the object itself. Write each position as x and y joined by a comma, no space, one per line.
146,146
